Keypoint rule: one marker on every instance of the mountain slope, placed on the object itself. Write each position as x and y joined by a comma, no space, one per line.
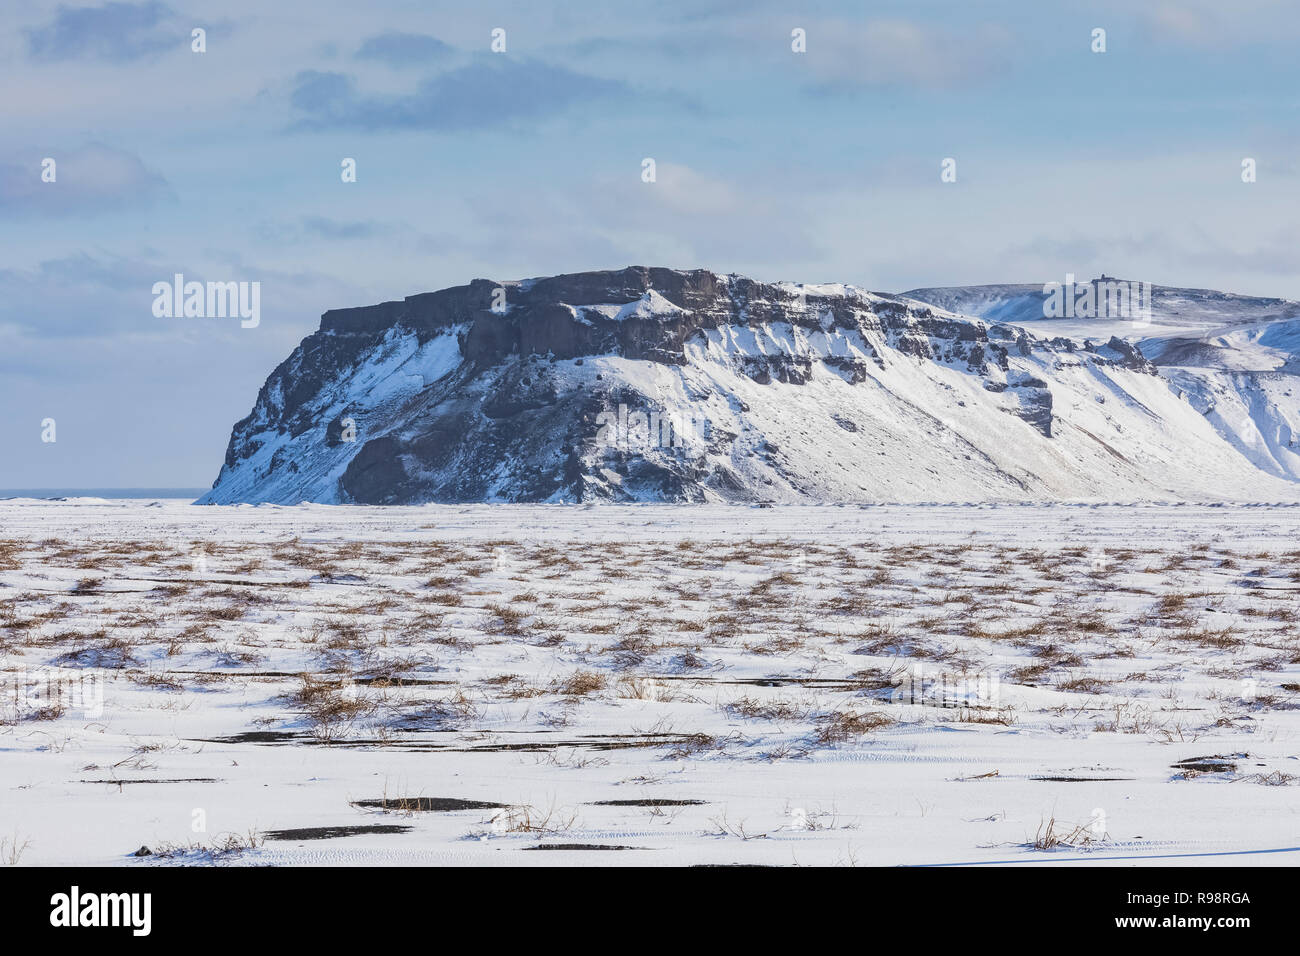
1234,358
666,385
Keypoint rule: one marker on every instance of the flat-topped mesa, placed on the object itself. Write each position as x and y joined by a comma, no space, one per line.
638,312
431,310
558,389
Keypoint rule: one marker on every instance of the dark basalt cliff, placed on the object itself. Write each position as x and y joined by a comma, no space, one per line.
539,316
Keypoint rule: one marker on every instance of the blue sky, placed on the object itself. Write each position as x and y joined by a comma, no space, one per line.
822,166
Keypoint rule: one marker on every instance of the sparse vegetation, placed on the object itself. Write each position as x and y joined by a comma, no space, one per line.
12,849
696,658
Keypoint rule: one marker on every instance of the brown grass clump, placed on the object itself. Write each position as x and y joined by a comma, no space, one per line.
840,726
581,684
1082,685
531,820
1224,638
1048,837
512,620
776,709
329,704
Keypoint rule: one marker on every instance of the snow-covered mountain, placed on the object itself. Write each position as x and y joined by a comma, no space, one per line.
1234,358
666,385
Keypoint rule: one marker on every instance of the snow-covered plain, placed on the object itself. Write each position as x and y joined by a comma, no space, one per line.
704,684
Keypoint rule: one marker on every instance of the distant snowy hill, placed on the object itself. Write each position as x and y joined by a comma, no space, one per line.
1234,358
651,384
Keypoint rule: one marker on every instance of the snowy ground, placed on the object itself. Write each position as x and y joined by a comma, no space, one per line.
699,684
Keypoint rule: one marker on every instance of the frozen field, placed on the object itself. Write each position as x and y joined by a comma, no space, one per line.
651,685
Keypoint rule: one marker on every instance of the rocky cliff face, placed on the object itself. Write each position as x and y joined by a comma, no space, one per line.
666,385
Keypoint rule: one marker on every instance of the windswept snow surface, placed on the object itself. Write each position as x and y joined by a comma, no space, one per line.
876,685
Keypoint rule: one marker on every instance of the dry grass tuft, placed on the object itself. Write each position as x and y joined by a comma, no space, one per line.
840,726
